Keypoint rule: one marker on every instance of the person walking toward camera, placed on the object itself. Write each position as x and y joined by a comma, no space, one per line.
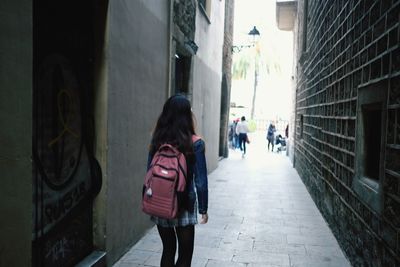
175,128
270,135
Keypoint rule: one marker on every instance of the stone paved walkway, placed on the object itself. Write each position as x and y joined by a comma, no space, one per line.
260,215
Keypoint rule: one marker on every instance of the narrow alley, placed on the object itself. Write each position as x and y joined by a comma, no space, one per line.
260,215
84,85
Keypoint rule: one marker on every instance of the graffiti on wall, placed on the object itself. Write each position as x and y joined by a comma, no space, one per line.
63,177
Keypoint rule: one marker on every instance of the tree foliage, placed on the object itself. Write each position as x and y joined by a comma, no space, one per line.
241,65
244,60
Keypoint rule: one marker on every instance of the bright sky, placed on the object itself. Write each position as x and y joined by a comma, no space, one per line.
274,88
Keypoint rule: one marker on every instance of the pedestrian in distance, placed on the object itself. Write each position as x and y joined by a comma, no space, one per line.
271,135
287,131
242,129
235,135
175,126
231,129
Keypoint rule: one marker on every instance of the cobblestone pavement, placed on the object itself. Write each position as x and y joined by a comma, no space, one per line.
260,215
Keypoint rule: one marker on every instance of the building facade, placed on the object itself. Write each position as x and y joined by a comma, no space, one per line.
82,86
226,78
346,123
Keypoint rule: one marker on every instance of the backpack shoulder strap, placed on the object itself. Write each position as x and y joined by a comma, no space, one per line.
168,146
195,138
182,173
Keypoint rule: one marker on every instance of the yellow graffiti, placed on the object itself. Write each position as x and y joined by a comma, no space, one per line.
64,120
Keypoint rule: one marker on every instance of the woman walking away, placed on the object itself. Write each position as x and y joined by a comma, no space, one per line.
242,129
175,126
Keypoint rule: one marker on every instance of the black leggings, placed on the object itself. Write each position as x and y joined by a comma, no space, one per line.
185,237
271,142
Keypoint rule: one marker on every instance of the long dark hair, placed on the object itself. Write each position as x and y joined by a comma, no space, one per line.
175,126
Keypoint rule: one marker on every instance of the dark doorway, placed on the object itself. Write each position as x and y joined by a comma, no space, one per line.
66,176
182,73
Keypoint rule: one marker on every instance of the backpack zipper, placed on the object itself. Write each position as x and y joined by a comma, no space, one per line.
163,177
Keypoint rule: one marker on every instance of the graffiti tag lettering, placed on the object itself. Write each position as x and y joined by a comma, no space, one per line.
59,249
65,203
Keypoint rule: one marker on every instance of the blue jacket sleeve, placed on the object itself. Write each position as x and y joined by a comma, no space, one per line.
149,159
200,176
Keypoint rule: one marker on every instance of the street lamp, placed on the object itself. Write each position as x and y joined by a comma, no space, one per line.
255,35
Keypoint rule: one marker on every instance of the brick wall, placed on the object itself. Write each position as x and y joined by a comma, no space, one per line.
350,53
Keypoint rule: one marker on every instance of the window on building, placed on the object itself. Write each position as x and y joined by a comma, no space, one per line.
205,7
372,121
203,3
301,126
370,142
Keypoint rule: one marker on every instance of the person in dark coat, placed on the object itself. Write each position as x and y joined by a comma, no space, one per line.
270,135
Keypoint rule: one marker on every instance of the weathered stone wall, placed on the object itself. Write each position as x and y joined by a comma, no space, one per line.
351,47
185,17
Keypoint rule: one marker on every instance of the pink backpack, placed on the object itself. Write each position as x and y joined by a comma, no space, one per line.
165,177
